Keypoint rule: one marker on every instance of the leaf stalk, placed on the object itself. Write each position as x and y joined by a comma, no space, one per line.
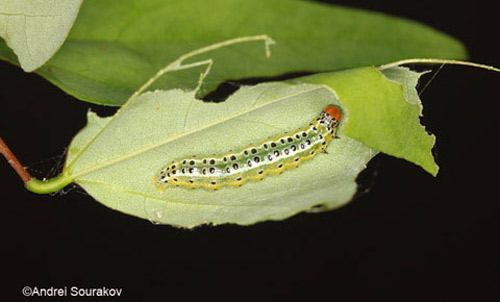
47,186
32,184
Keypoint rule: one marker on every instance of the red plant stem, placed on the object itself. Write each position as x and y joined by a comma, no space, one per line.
14,162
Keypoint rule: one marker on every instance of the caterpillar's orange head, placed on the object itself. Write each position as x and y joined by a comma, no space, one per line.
334,111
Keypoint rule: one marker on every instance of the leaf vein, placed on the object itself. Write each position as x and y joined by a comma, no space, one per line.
170,139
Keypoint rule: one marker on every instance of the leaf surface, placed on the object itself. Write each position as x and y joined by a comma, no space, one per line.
116,158
113,49
35,30
384,111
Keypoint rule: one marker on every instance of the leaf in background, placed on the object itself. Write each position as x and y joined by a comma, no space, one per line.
383,114
114,48
35,29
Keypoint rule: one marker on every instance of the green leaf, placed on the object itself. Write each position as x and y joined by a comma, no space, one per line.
116,158
113,49
383,114
35,29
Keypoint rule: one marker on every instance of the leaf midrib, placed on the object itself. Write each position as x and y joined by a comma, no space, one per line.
168,140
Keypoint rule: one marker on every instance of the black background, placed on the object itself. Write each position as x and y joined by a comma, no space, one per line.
412,236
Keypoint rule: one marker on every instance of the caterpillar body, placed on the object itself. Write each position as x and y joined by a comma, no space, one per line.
254,162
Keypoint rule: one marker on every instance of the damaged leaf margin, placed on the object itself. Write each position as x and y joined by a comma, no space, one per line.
379,118
115,159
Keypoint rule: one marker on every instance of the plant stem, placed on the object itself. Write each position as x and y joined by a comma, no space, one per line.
33,184
14,162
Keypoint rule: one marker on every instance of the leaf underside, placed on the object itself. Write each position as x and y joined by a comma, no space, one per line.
35,30
115,159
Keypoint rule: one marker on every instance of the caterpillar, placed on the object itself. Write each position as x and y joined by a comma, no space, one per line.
254,162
